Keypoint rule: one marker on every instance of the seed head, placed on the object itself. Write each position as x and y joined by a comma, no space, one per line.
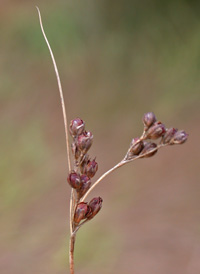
149,119
91,168
84,141
148,147
168,136
85,185
180,137
76,127
95,205
155,131
74,180
136,146
81,212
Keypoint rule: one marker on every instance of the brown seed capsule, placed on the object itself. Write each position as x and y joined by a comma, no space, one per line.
168,136
77,126
85,185
180,137
84,141
81,212
149,119
136,146
91,168
95,205
148,147
156,131
74,180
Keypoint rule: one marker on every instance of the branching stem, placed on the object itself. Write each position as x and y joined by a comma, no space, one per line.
127,159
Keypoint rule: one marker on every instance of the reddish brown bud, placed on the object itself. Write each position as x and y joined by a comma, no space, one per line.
149,119
180,137
95,205
91,168
156,131
76,127
168,136
74,180
85,185
84,141
81,212
148,147
136,146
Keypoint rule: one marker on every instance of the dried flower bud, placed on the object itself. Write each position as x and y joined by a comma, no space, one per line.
168,136
136,146
76,127
84,141
149,119
76,152
81,212
91,168
180,137
74,180
95,205
156,131
148,147
85,185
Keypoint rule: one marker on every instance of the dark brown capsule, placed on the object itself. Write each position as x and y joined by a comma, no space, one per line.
149,119
91,168
95,205
156,131
136,146
84,141
180,137
77,126
149,150
168,136
81,212
85,185
74,180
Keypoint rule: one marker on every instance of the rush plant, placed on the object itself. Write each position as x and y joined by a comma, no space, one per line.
154,137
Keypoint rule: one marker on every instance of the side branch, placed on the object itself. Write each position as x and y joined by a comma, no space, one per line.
101,178
123,162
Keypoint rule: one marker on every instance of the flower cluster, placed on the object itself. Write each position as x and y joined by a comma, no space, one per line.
154,130
84,169
155,135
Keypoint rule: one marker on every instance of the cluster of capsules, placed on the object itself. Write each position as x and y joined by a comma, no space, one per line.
153,130
84,169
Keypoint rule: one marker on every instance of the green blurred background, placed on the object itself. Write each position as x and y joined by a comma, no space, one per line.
117,60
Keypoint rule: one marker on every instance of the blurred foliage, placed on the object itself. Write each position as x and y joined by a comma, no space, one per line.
117,60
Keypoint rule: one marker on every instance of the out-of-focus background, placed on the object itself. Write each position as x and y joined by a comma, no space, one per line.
117,60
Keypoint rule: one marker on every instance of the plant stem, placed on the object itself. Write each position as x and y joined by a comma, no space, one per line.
71,252
72,198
